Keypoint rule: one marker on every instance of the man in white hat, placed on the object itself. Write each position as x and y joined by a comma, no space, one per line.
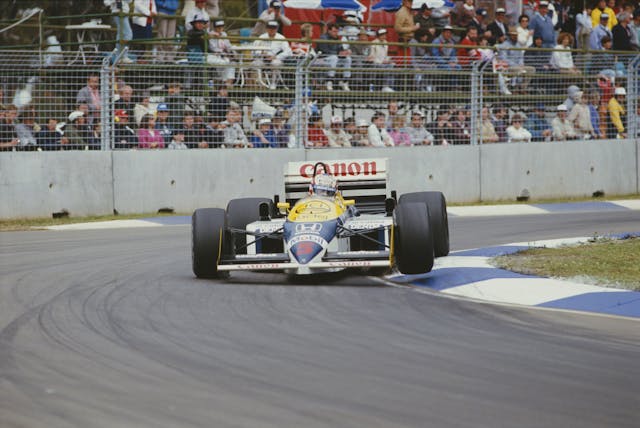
264,136
498,27
76,131
222,53
336,135
617,113
272,13
380,59
562,128
542,26
275,49
601,30
198,10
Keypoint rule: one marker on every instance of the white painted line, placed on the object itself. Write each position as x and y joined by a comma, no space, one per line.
113,224
632,204
494,210
525,291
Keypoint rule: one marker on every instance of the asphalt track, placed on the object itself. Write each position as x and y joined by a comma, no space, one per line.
108,328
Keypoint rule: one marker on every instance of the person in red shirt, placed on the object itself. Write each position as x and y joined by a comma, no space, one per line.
466,56
316,134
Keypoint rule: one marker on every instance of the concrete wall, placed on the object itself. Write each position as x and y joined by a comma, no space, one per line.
37,184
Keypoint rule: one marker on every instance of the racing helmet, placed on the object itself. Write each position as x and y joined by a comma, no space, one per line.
324,185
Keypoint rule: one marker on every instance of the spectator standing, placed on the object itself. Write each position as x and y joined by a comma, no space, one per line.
123,134
148,136
622,34
542,25
580,117
49,137
275,50
418,134
561,58
222,53
377,132
196,45
516,133
336,135
90,95
195,10
234,135
166,25
487,130
442,128
335,55
398,134
404,24
583,27
617,113
379,57
263,136
537,124
562,128
498,27
120,11
600,9
272,13
142,26
177,142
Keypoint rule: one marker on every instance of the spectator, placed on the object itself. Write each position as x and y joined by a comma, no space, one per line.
602,9
562,128
425,21
622,34
316,134
274,51
196,39
175,103
461,128
397,132
8,137
284,135
393,111
604,62
478,22
234,135
166,25
421,59
583,27
26,128
537,124
442,128
599,31
617,112
360,54
194,136
196,10
350,25
466,56
336,135
220,104
572,94
379,57
335,55
487,131
177,141
542,25
222,54
142,108
634,25
514,59
498,27
580,118
90,95
162,122
148,136
594,105
272,13
499,119
142,26
525,34
404,24
537,58
213,133
442,16
263,136
561,58
95,136
123,134
516,133
120,11
125,102
464,13
444,54
361,137
49,138
377,133
76,132
418,135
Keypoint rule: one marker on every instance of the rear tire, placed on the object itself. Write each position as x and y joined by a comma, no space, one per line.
412,240
438,218
241,212
207,234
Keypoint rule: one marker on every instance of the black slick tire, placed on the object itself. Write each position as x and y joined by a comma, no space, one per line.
412,240
207,235
438,218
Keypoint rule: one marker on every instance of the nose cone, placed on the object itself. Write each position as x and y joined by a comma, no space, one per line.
305,251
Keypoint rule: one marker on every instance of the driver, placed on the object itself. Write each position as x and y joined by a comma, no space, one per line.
324,185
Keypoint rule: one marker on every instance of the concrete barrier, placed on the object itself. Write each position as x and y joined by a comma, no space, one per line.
37,184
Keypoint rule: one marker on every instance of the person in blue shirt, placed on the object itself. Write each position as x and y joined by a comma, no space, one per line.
445,55
542,25
538,125
264,135
166,25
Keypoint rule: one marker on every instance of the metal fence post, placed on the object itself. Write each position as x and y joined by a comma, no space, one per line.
105,104
477,100
633,88
300,97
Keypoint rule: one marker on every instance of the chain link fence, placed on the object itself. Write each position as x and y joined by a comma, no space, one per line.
87,99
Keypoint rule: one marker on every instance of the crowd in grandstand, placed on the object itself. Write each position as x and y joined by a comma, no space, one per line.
448,39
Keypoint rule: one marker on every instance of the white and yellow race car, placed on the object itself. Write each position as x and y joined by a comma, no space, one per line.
336,215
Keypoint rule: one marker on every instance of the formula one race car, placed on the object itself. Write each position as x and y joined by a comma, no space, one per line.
319,228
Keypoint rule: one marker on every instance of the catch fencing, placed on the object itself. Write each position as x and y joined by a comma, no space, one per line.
457,103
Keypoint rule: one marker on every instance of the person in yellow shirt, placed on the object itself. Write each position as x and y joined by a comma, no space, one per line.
601,8
404,23
615,126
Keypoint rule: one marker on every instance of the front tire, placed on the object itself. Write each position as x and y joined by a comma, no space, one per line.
412,240
207,234
438,218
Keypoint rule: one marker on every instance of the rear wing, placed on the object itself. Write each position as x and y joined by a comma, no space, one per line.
365,180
